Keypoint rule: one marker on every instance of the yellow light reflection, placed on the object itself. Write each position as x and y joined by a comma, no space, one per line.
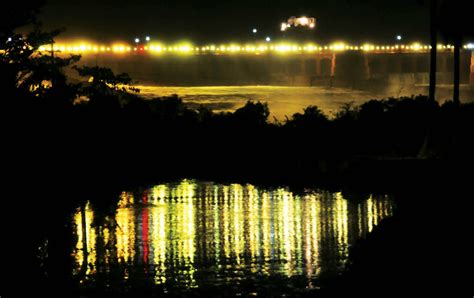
173,230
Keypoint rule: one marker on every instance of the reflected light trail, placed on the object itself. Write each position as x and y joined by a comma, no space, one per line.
172,232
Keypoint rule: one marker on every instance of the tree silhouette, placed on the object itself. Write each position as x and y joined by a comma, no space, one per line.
455,23
434,9
102,82
252,114
434,47
26,72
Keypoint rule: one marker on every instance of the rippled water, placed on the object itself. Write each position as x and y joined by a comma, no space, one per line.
283,101
196,234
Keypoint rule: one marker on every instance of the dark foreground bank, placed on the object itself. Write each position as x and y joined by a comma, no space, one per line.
411,148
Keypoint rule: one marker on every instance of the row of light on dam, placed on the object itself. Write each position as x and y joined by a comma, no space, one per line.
236,48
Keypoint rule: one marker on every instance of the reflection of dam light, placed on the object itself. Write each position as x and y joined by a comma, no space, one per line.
85,253
176,228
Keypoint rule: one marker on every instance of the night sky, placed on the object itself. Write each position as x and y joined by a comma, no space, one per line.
227,21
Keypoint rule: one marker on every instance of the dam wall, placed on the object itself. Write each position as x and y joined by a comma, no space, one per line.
378,72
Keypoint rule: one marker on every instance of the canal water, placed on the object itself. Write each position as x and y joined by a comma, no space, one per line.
197,235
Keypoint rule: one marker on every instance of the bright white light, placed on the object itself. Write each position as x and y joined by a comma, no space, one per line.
399,37
268,39
9,39
304,21
137,40
147,38
254,30
470,46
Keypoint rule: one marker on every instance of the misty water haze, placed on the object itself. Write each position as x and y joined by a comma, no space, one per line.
282,100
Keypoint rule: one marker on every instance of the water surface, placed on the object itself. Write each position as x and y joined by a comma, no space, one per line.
193,234
282,101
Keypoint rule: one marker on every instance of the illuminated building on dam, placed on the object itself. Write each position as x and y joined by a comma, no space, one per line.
365,67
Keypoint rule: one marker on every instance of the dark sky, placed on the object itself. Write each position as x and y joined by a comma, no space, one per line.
219,21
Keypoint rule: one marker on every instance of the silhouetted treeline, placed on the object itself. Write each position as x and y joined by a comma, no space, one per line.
126,138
